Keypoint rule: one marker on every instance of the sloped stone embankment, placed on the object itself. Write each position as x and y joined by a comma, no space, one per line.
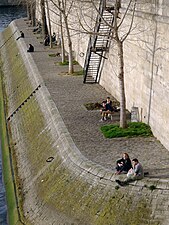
59,185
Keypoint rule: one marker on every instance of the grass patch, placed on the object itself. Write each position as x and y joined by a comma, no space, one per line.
78,73
133,129
152,187
93,106
98,105
67,63
52,55
75,73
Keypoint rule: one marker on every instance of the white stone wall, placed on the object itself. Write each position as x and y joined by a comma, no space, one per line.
146,55
146,68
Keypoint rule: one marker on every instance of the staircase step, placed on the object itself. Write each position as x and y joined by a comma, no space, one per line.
92,69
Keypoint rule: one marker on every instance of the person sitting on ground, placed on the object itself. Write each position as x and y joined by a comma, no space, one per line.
107,109
38,28
21,36
31,48
54,37
137,173
123,165
47,40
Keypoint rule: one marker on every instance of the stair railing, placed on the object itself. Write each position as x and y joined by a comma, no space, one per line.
93,38
93,46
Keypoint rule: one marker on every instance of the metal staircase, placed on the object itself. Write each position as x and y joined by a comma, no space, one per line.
98,44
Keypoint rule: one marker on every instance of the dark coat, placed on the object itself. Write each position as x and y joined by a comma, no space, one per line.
126,165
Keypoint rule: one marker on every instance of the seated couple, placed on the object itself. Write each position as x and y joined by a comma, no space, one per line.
107,109
134,172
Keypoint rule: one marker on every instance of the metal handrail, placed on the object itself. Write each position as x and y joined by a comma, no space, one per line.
92,39
87,59
92,45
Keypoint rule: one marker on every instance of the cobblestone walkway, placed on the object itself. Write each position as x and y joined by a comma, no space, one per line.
70,94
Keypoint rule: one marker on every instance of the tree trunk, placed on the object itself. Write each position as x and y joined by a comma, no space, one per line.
123,122
33,12
50,32
62,40
43,14
28,11
71,69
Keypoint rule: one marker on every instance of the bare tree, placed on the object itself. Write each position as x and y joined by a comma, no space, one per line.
43,18
62,38
21,2
120,38
31,10
118,34
64,8
28,8
49,23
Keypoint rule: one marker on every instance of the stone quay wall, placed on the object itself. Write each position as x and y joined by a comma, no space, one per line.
146,68
57,184
145,60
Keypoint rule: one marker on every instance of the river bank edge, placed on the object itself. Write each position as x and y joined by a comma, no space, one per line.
8,175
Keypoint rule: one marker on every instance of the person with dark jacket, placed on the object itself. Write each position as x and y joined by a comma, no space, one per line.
107,109
21,36
109,105
123,164
31,48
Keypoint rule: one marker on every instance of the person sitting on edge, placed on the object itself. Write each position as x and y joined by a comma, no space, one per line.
31,48
123,165
137,173
21,36
107,109
103,107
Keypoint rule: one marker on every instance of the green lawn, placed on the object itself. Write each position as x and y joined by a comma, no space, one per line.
67,63
133,129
